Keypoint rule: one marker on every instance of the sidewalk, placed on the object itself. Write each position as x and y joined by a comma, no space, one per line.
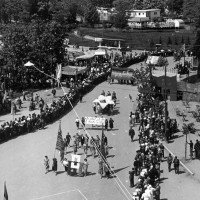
45,94
177,145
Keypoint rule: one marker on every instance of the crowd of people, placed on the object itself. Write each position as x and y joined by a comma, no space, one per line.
150,117
99,71
48,113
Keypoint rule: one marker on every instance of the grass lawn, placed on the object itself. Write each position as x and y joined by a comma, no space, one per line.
137,39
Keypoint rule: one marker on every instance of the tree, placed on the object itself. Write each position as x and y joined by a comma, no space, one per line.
169,42
92,16
196,50
120,20
160,40
188,41
175,40
123,5
175,6
102,3
191,10
182,40
151,44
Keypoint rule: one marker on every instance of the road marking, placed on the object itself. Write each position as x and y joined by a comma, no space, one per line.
114,149
126,131
113,134
126,181
82,194
44,197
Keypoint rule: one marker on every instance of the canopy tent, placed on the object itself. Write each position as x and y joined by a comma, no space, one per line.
28,64
153,60
85,57
73,70
171,83
104,101
100,52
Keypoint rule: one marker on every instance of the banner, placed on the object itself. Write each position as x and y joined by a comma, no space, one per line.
98,121
75,163
59,72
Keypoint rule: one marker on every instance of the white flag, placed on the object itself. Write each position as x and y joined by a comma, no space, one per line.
59,72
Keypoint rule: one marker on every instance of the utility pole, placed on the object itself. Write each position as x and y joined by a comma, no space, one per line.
165,93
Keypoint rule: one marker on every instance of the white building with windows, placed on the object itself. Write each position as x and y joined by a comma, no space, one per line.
141,17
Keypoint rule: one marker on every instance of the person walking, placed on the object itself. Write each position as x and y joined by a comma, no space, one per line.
77,122
162,149
53,92
82,138
176,165
75,147
54,166
197,149
46,164
131,133
100,171
83,122
68,138
106,125
111,123
85,167
169,162
65,164
191,148
131,177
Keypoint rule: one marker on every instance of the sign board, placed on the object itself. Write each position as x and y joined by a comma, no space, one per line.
153,60
75,163
98,121
122,75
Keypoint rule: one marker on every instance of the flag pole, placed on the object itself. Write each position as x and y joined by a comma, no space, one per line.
56,141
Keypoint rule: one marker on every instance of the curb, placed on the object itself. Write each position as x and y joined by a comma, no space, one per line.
183,165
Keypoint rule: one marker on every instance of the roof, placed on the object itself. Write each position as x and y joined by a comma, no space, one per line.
139,19
85,57
73,70
158,73
153,10
111,39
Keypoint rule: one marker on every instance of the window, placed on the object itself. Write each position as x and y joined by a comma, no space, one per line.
155,13
139,13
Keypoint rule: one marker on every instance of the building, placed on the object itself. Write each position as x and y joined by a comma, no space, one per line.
178,23
105,13
140,18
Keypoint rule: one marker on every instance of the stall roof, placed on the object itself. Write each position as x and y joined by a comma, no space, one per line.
85,57
73,70
100,52
158,73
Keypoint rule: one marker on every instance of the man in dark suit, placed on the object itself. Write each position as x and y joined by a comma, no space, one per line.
131,133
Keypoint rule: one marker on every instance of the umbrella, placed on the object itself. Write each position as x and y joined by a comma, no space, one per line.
96,101
29,64
101,97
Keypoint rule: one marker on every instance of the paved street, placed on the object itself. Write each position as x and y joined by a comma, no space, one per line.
22,160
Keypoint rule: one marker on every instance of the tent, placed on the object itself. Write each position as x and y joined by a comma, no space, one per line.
100,52
153,60
85,57
104,101
73,70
